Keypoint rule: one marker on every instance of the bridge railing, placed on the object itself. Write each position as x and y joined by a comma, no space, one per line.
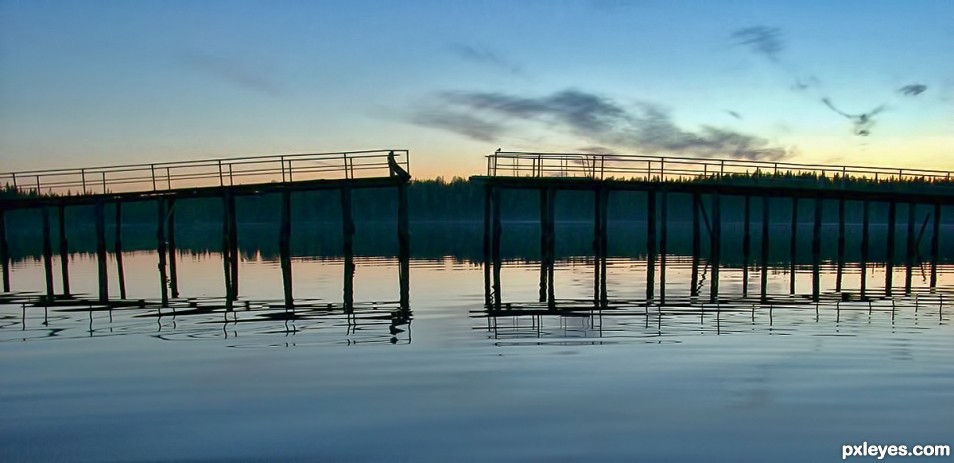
164,176
673,168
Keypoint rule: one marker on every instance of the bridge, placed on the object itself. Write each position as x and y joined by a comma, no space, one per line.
707,181
166,182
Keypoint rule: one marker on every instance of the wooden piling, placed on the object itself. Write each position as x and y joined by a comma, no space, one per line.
910,250
696,246
663,244
551,227
347,230
64,251
4,251
233,246
763,277
284,249
889,259
816,249
487,261
227,251
840,270
118,249
161,249
935,243
650,245
746,244
47,254
404,247
604,242
495,245
171,237
716,247
543,245
865,238
99,212
793,247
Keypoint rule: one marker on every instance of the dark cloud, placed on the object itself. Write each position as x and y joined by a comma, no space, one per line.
733,114
231,71
763,40
912,89
481,55
862,122
644,127
458,122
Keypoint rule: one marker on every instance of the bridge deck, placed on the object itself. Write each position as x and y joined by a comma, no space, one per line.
571,171
211,177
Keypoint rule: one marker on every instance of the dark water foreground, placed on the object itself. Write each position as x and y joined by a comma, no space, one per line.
742,380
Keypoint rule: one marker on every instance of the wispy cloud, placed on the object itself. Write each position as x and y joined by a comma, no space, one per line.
764,40
645,127
229,70
484,56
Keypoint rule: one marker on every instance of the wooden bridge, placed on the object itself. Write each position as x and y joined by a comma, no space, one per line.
166,182
711,179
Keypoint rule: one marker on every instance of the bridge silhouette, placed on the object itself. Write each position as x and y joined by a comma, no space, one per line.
166,182
706,181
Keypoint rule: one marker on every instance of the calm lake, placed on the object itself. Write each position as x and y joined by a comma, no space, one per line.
785,379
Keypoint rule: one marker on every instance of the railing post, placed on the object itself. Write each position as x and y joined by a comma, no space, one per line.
281,159
221,180
721,169
38,185
152,170
83,179
662,169
104,181
168,179
290,178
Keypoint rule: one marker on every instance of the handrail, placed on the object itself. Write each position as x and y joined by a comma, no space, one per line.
672,168
170,175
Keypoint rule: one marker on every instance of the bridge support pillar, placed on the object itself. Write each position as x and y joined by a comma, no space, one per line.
100,213
171,230
839,272
161,248
64,251
118,249
404,248
816,248
547,245
865,238
487,261
910,248
347,229
284,250
663,243
650,246
696,246
716,247
763,276
47,254
889,259
4,251
793,247
495,244
935,243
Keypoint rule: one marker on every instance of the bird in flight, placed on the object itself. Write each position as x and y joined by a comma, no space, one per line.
862,122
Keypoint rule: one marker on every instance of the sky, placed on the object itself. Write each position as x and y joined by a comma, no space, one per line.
86,83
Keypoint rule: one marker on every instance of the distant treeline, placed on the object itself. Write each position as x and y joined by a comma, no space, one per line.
447,219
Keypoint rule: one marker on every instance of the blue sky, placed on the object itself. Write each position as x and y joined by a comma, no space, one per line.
88,82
